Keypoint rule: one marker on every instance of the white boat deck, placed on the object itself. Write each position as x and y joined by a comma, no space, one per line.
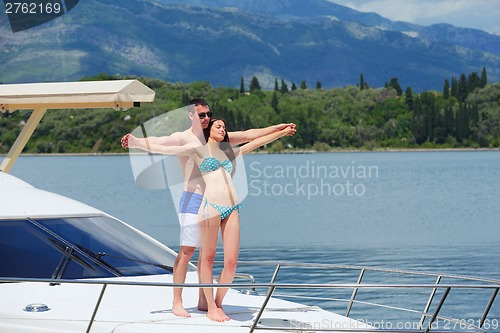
143,304
126,308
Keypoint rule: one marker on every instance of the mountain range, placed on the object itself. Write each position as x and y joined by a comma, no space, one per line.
221,41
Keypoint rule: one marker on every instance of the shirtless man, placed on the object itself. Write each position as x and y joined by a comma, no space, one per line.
194,187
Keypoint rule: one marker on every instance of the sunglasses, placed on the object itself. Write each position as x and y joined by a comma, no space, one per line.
206,114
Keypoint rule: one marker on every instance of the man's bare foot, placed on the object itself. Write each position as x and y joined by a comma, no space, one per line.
202,304
179,311
215,315
223,314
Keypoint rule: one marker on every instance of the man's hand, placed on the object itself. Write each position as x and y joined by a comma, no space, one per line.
291,130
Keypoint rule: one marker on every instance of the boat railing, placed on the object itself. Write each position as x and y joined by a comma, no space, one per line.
428,315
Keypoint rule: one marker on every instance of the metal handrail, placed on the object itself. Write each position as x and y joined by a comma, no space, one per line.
272,286
264,304
94,313
354,292
366,268
259,285
424,313
428,305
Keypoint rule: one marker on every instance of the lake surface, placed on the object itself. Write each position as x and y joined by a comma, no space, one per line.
399,199
430,211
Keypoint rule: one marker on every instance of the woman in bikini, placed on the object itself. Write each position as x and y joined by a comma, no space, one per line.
217,163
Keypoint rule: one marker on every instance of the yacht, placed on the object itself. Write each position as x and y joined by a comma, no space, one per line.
69,267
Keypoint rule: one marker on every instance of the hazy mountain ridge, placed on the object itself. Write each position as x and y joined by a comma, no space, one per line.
318,9
186,42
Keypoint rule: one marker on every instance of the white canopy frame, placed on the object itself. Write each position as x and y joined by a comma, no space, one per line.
39,97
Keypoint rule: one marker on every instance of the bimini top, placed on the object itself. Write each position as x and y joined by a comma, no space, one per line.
40,97
117,94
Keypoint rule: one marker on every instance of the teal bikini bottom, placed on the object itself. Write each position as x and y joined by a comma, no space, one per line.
224,211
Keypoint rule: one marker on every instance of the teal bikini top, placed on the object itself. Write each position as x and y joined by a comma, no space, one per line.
212,164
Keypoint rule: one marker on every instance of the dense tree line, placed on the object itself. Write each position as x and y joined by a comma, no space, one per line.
465,114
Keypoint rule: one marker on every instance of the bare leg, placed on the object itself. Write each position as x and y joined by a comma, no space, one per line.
230,228
202,300
180,270
209,235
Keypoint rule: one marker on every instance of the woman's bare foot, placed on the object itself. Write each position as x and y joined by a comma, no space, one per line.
179,311
215,315
223,314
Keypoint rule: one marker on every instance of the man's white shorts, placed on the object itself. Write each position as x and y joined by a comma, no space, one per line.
190,230
188,218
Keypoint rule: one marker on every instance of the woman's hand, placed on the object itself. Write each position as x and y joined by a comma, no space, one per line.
124,140
129,141
290,126
289,130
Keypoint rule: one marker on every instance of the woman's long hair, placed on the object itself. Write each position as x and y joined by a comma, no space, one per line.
224,145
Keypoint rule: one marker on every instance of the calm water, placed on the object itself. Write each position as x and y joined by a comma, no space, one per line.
430,211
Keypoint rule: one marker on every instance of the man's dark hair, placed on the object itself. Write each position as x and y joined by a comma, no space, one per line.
198,101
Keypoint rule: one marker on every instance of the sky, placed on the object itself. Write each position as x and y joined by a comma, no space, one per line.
477,14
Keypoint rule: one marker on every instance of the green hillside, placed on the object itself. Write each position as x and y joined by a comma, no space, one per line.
468,115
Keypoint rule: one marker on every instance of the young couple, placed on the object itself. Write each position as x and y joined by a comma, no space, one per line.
207,153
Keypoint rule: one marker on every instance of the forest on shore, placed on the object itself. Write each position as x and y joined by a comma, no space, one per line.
466,114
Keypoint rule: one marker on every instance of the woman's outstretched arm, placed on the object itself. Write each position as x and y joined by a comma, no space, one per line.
264,140
239,137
